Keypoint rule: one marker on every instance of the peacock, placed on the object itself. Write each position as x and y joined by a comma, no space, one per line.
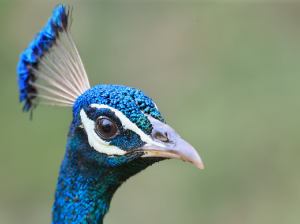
116,131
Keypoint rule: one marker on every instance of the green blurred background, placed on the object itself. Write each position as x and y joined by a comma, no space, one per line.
224,75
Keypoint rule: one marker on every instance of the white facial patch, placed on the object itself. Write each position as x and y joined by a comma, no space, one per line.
95,141
103,146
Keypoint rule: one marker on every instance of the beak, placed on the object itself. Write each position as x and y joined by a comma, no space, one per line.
167,143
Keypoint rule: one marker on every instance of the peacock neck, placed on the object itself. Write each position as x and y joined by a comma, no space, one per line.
88,180
83,194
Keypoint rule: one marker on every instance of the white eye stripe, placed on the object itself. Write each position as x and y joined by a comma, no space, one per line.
103,146
95,141
127,124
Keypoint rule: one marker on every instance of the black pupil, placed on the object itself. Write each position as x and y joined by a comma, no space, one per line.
106,128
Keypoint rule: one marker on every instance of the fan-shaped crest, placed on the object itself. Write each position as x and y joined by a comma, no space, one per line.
50,70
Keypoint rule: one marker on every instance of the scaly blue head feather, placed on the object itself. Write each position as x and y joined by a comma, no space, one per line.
130,101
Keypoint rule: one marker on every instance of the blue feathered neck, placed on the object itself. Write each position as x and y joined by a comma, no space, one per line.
88,180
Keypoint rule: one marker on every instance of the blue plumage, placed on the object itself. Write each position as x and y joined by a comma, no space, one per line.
130,101
88,180
116,131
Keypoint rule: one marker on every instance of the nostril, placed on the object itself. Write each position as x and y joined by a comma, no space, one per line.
161,136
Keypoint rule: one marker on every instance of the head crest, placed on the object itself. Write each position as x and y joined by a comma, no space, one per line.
49,69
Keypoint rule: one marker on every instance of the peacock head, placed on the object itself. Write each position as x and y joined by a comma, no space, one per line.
115,125
112,125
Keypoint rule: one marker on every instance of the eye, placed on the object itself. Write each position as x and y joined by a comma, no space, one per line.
106,128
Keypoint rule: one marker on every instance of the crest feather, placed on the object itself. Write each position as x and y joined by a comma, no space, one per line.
50,70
